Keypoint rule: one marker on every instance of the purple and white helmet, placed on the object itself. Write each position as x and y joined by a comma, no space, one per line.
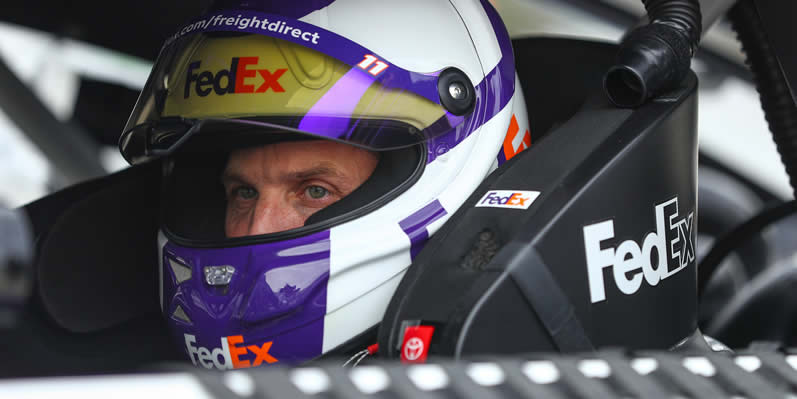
431,85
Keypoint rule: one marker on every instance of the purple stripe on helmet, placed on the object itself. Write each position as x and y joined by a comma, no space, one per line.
341,99
415,225
505,67
277,294
293,9
501,157
493,93
454,120
316,38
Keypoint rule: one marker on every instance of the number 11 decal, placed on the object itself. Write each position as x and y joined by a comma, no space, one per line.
370,60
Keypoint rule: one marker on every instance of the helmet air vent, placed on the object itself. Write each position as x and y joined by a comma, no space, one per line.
180,314
181,272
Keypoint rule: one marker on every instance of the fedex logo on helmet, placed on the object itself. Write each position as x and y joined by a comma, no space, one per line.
229,355
508,199
240,78
631,263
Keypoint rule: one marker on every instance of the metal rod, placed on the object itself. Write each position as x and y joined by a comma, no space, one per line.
71,151
713,10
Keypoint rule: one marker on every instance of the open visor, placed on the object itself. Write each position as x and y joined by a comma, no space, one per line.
194,201
252,79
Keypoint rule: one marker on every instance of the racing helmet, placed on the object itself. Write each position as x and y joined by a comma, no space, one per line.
430,86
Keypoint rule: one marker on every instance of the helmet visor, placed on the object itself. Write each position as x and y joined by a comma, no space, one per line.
279,85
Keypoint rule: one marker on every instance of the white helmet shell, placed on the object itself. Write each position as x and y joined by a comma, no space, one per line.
358,263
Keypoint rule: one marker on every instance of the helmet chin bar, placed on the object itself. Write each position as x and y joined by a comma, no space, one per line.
222,304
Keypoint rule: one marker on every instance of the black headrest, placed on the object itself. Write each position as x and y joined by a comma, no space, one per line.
96,249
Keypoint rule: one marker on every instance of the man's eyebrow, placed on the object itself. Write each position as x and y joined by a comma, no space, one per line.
320,170
229,176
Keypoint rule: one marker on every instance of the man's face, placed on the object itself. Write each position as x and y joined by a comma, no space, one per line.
276,187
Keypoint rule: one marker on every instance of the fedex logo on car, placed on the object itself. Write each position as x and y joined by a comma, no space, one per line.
508,199
228,356
663,252
238,79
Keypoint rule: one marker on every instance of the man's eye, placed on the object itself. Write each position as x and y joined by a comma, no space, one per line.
244,192
316,192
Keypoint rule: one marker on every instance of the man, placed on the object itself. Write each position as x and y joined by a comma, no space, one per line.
309,152
277,187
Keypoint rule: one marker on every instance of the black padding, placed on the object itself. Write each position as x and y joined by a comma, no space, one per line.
40,348
97,264
218,136
115,101
557,85
195,203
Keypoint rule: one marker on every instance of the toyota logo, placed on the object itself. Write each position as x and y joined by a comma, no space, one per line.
413,348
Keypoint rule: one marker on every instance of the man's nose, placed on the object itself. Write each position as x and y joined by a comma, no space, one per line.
273,214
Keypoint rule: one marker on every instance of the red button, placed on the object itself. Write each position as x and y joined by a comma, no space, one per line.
416,344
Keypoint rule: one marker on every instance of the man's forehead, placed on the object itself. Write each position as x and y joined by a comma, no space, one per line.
294,159
296,169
